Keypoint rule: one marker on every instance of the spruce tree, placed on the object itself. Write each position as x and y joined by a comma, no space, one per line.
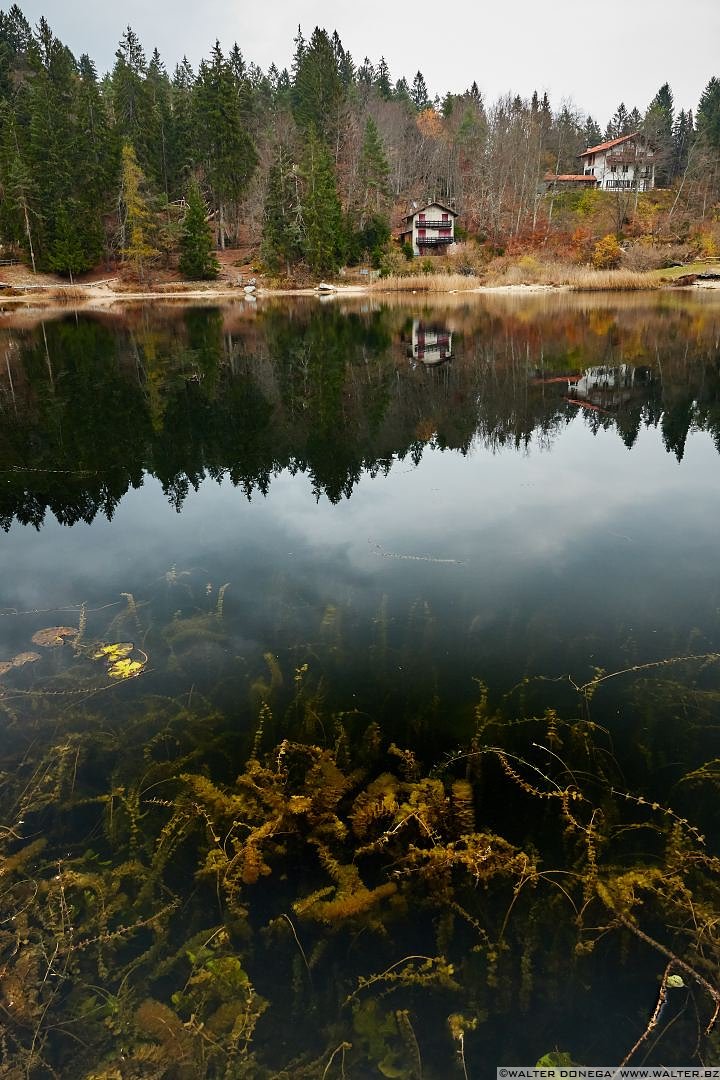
282,238
318,90
708,115
373,172
402,92
592,133
130,99
71,249
180,147
197,256
419,92
158,124
382,80
20,204
657,127
619,124
224,147
321,211
682,141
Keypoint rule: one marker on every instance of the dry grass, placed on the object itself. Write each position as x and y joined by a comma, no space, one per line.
585,279
68,294
531,271
526,272
428,283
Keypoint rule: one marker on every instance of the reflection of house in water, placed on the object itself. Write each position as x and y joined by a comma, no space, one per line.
610,387
431,345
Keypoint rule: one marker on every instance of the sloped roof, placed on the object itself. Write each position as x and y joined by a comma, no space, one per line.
609,143
434,202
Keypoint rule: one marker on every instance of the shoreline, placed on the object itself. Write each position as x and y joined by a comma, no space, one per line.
92,297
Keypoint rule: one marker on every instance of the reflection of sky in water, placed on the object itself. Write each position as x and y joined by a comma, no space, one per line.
566,556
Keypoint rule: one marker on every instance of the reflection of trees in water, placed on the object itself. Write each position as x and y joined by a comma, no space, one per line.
88,407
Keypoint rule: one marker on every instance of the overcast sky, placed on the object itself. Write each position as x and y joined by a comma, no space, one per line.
595,54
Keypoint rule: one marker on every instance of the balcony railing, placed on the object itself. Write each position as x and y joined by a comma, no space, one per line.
427,241
628,159
433,224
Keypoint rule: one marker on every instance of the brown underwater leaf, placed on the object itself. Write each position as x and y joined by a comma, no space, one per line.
54,635
25,658
18,661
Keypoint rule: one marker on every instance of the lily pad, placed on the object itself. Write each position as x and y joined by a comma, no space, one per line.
54,636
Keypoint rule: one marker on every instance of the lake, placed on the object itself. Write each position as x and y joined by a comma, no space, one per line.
359,687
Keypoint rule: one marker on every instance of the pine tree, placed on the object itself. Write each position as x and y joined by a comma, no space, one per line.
197,257
282,233
321,211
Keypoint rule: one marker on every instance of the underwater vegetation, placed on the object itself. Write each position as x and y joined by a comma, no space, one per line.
253,878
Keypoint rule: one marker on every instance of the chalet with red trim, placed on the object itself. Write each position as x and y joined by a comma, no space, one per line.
623,164
430,229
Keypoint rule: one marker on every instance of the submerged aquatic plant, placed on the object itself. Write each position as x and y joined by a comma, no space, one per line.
191,887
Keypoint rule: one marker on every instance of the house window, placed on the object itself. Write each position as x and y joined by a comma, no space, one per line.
445,217
421,232
625,168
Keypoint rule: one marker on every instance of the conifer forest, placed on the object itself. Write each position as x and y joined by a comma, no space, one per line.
311,168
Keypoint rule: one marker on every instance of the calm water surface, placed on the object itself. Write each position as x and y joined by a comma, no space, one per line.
392,534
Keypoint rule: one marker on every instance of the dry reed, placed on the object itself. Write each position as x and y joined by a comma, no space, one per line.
552,275
441,282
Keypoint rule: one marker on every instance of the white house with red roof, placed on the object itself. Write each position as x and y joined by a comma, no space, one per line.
619,164
430,229
627,163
